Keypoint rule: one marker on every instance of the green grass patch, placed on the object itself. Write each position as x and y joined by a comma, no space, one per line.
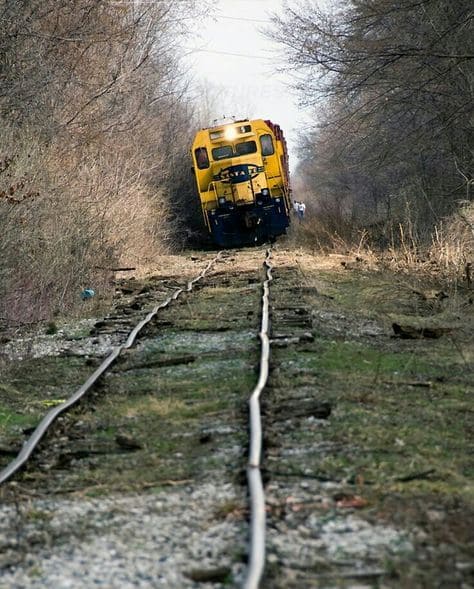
10,420
402,409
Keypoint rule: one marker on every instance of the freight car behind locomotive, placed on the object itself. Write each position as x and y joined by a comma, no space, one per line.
242,177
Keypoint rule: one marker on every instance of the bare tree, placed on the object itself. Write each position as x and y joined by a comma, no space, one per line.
93,109
398,81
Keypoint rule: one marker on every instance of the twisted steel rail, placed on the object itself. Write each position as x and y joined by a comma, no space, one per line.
51,416
254,476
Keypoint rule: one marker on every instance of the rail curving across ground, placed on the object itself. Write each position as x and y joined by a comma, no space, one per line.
254,476
143,484
256,553
30,445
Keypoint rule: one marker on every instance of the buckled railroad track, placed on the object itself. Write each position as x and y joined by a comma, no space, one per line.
39,432
57,431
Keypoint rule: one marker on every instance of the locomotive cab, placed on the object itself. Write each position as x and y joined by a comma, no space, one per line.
241,172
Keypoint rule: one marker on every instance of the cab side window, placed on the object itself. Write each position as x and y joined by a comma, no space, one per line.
266,143
202,159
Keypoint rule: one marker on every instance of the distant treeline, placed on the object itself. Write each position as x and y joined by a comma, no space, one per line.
390,85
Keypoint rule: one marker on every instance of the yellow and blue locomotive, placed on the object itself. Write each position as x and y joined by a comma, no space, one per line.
241,171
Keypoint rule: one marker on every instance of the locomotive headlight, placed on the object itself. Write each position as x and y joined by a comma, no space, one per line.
265,191
277,200
230,133
222,200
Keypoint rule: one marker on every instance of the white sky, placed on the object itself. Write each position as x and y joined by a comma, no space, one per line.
244,85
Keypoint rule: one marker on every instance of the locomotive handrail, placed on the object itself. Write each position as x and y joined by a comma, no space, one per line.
211,186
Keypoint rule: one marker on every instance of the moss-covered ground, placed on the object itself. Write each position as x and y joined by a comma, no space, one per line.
401,431
171,409
400,436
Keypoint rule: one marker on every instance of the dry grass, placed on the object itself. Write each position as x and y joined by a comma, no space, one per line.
453,244
448,256
66,219
152,406
121,205
324,231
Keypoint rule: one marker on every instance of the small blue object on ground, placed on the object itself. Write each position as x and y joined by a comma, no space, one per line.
87,293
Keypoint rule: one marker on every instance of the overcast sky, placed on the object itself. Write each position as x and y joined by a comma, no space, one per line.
229,52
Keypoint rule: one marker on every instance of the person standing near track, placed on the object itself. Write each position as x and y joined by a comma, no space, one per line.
301,210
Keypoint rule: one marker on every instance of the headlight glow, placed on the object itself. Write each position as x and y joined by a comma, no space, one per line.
230,133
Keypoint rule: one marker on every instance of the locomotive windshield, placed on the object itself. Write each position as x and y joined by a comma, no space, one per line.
245,148
221,153
226,151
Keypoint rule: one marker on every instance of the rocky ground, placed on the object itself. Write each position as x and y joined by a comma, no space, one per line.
368,434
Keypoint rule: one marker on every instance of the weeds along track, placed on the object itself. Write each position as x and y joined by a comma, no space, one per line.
363,449
63,455
32,443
